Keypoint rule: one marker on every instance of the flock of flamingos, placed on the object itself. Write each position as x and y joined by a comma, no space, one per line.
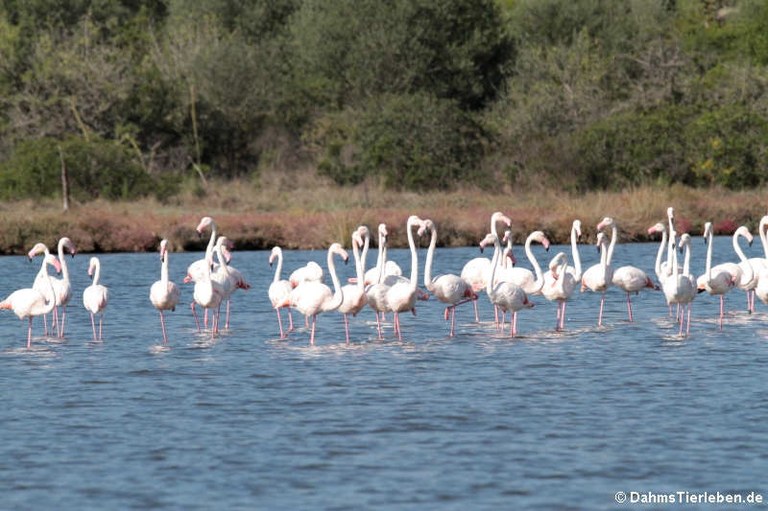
385,290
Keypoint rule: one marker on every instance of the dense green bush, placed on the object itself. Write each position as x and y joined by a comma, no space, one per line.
97,169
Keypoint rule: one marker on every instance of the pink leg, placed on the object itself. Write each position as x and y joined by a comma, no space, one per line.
600,316
562,315
101,322
722,310
63,321
162,326
290,320
513,323
194,314
280,322
312,334
629,308
346,327
226,323
29,333
688,326
477,316
453,321
93,326
45,325
397,326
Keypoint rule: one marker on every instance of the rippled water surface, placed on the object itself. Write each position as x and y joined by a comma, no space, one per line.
480,421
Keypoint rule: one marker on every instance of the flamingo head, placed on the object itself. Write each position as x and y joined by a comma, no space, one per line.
338,250
67,243
92,264
605,222
276,252
205,222
53,261
489,239
707,231
163,249
685,240
576,227
601,240
659,227
671,213
541,238
500,217
39,248
511,255
425,227
744,232
364,232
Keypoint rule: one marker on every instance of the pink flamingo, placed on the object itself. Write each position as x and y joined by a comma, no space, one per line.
718,280
678,286
62,289
313,297
228,276
449,289
95,297
29,302
197,270
279,290
164,293
758,265
599,277
530,281
207,294
507,296
561,279
629,279
382,264
477,271
402,292
354,294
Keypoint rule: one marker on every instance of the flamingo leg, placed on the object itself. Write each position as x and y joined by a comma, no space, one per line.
629,308
688,326
477,316
280,322
194,313
63,320
226,323
397,326
346,327
45,325
600,316
722,310
290,320
93,327
312,334
29,333
513,324
101,322
162,327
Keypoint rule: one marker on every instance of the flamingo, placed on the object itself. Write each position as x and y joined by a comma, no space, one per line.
758,264
279,290
310,272
449,288
507,296
230,277
208,294
718,280
29,302
678,286
389,267
401,292
354,294
598,277
41,284
530,281
629,279
62,289
164,293
477,271
313,297
561,279
95,297
197,269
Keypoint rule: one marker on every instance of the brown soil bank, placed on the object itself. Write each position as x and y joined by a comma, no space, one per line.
259,218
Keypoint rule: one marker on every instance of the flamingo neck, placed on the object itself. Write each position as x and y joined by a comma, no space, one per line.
430,256
748,272
164,267
576,256
63,262
359,270
763,235
709,255
539,283
211,242
660,253
414,257
494,262
364,255
381,257
96,272
279,267
49,303
612,245
687,260
223,266
338,294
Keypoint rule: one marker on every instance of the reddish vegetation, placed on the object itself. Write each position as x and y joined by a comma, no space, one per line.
321,216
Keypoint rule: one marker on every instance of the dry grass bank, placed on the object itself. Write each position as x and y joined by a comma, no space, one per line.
314,214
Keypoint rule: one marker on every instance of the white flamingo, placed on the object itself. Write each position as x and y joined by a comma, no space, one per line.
164,293
208,294
95,297
477,271
449,288
280,290
598,277
313,297
197,269
225,272
402,293
561,279
530,281
506,296
718,280
678,286
629,279
310,272
354,294
44,284
389,267
758,264
28,303
62,288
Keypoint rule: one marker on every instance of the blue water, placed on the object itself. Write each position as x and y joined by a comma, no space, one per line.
480,421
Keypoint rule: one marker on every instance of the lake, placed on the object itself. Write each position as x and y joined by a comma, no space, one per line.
546,420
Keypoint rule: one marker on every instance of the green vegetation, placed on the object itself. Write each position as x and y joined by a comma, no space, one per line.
138,98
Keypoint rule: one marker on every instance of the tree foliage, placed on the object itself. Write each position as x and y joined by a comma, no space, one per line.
405,93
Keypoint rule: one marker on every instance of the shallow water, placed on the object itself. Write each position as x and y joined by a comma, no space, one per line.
480,421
